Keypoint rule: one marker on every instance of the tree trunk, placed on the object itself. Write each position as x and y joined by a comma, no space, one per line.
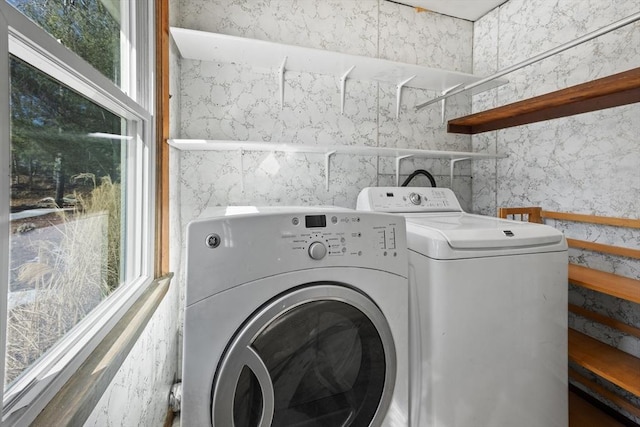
15,172
58,177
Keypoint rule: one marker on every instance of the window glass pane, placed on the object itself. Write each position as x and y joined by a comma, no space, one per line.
67,212
90,28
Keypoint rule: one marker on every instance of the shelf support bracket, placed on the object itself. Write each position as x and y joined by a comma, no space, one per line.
443,105
398,160
281,73
343,85
452,165
327,164
241,152
399,94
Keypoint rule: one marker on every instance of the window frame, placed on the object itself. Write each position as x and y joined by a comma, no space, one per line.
24,39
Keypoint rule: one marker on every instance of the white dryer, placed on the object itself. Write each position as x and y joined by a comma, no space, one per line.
489,313
296,317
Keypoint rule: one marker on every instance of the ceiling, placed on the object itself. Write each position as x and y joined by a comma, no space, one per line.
470,10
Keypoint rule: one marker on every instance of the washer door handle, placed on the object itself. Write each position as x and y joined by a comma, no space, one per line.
254,362
223,405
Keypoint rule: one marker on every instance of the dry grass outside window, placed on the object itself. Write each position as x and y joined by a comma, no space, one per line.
74,270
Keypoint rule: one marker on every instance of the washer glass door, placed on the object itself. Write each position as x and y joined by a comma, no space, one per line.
319,356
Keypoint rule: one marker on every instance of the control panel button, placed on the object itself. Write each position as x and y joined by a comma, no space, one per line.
317,250
415,198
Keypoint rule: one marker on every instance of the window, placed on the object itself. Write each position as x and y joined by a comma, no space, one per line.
76,214
67,211
90,28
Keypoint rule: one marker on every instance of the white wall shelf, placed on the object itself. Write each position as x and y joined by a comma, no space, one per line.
206,46
328,151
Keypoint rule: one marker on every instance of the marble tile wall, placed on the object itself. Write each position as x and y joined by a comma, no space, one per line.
237,102
138,394
230,101
589,163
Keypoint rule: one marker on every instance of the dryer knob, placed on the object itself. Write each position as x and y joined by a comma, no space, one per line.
317,250
415,198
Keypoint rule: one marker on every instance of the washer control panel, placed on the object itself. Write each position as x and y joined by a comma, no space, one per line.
235,245
342,235
408,199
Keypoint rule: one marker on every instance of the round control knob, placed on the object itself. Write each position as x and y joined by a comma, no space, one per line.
317,250
415,198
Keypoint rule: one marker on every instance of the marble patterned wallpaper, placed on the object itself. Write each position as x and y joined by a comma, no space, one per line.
138,394
238,102
588,163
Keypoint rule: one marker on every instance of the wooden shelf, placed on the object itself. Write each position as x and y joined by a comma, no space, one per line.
605,320
616,366
612,91
585,415
606,283
608,249
592,219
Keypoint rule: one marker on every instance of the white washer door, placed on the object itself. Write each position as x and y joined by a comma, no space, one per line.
321,355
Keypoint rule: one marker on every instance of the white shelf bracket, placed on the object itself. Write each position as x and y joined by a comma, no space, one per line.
452,165
241,152
399,94
398,160
443,104
343,85
327,163
281,73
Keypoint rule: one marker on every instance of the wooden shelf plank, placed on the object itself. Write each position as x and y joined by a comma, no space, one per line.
605,320
612,91
593,219
606,393
606,283
582,413
616,366
600,247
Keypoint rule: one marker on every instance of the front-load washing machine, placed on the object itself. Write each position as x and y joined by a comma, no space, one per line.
296,317
489,313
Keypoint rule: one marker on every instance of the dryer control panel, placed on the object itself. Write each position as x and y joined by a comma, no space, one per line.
408,199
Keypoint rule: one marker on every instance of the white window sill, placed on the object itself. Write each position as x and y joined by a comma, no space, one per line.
73,404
